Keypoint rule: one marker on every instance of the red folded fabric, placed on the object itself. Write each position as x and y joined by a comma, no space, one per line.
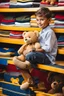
5,6
1,17
12,68
8,21
61,4
16,32
59,16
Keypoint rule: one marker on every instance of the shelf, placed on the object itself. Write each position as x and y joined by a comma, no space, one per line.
56,30
61,8
11,41
40,93
61,51
19,28
58,67
54,68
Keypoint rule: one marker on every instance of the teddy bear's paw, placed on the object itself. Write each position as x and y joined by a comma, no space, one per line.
24,86
28,65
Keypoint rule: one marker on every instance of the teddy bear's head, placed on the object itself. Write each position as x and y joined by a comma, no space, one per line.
57,82
30,37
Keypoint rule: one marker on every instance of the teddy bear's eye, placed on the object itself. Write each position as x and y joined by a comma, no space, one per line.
58,80
29,36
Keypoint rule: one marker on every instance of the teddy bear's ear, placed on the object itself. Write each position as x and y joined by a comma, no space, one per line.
24,33
37,33
17,79
51,76
12,79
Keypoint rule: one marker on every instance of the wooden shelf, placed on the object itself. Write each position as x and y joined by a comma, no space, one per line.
19,28
56,30
54,68
61,51
30,9
11,41
58,67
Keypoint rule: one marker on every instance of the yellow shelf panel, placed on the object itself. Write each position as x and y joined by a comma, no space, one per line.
40,93
19,28
57,30
61,8
61,51
11,41
52,68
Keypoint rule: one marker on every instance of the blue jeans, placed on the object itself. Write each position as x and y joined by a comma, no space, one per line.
37,58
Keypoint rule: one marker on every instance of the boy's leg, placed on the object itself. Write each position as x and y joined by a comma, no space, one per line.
37,58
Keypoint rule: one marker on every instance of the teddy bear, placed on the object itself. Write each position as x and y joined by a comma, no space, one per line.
15,80
57,83
31,44
51,2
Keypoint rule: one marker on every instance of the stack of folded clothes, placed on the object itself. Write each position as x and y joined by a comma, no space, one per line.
8,20
8,52
4,33
59,20
60,2
16,34
33,21
23,20
25,3
61,41
4,4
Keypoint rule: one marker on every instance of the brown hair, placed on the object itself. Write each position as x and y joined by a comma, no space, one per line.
45,12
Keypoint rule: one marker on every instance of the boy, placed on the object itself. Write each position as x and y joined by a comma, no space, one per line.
47,53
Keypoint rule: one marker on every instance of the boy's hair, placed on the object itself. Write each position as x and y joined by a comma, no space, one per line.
43,12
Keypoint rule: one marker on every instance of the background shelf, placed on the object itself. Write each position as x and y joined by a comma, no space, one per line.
29,9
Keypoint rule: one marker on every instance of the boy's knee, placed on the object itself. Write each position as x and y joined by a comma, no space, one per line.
29,56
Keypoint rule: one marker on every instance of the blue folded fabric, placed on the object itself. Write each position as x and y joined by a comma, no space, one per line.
5,50
3,61
61,39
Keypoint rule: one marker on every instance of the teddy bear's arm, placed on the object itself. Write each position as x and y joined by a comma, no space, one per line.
22,49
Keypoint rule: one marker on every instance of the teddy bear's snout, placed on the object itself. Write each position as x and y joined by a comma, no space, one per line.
55,83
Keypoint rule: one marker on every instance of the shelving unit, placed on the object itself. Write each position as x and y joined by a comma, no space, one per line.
53,68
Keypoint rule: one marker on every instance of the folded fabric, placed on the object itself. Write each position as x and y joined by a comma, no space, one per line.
59,16
4,33
3,61
60,3
61,39
7,52
22,19
27,24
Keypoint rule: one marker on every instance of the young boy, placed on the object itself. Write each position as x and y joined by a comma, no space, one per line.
48,51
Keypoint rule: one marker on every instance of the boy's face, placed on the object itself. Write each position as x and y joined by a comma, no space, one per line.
42,22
